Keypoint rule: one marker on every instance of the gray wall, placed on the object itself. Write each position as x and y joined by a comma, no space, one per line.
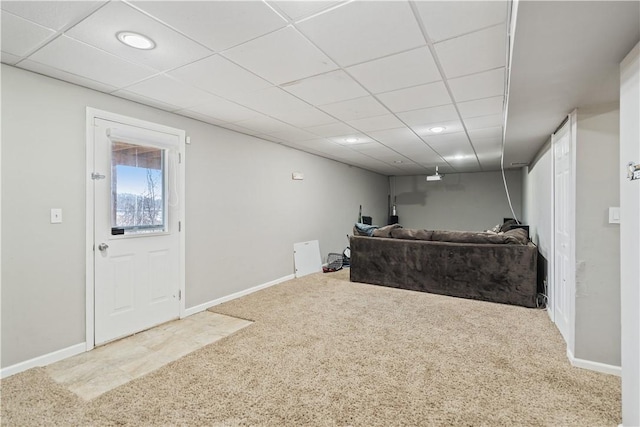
597,334
597,305
243,210
462,201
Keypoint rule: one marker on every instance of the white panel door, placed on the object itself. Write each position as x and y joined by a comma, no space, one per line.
563,280
136,229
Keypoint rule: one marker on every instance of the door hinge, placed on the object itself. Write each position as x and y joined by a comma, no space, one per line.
179,157
179,226
179,294
97,176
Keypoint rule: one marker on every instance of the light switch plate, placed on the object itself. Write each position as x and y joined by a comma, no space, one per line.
614,215
297,176
56,216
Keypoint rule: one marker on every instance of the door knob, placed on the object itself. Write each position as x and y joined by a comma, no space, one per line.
103,247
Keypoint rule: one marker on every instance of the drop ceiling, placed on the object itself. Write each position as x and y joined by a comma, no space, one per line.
359,82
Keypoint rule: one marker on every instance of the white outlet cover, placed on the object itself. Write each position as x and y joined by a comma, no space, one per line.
56,216
614,215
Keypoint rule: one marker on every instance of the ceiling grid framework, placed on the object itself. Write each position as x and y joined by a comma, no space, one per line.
358,82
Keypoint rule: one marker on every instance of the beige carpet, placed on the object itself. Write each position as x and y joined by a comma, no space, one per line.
323,351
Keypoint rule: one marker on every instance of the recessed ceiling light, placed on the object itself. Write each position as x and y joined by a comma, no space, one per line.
458,157
135,40
437,129
397,162
351,140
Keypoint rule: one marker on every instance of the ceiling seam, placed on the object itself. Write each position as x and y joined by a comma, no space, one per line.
444,77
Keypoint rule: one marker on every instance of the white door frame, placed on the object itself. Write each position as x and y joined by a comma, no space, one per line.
92,114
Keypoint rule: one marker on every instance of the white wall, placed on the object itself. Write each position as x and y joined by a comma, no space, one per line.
462,201
597,331
243,210
630,237
537,200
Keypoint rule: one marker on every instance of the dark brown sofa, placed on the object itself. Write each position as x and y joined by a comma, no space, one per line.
498,272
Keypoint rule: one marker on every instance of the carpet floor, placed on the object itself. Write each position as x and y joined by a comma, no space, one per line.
324,351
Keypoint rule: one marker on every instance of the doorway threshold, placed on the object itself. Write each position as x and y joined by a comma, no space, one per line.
104,368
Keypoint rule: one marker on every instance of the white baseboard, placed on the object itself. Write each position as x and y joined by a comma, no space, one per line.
594,366
43,360
206,305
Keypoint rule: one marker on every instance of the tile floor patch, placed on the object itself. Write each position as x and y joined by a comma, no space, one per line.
93,373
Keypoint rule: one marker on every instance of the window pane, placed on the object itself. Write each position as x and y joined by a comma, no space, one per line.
137,189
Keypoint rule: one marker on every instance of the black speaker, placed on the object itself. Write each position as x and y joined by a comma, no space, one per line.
393,219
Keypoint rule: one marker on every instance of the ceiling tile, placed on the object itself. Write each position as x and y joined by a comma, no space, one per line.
361,31
51,14
294,134
495,132
468,163
172,49
218,75
78,58
282,56
300,9
484,122
476,86
429,95
418,153
481,107
201,117
352,140
63,75
304,117
221,109
145,100
489,151
453,126
283,106
354,109
171,91
8,58
397,137
326,88
472,53
429,116
20,36
446,19
398,71
488,145
490,164
331,129
263,124
218,25
270,100
240,129
450,144
370,124
321,146
378,151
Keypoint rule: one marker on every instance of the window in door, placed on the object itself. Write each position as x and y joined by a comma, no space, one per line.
138,183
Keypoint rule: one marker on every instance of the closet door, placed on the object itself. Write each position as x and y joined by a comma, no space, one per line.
564,230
